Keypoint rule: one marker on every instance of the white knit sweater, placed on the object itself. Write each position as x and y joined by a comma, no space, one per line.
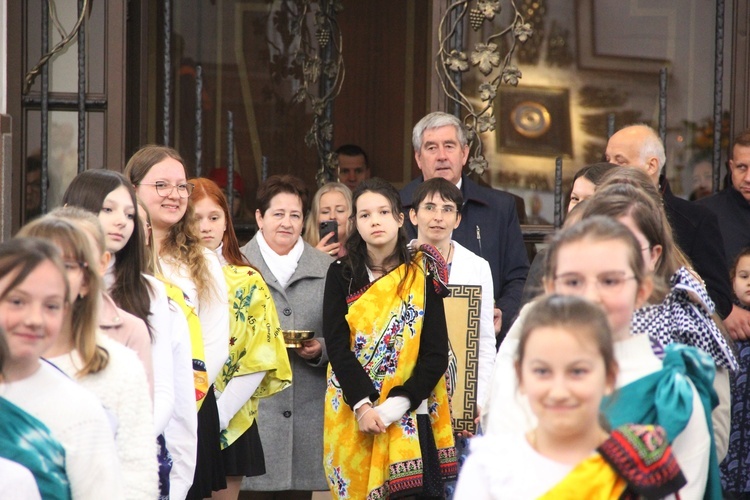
77,420
123,390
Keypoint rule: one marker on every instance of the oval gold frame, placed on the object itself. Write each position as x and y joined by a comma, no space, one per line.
525,109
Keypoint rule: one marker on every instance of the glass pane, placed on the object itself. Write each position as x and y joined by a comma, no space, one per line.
33,17
96,48
63,74
32,199
63,157
95,127
244,60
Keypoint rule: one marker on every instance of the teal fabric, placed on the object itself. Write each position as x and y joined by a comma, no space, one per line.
27,441
665,398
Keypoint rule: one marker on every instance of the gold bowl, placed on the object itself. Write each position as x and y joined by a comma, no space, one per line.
297,338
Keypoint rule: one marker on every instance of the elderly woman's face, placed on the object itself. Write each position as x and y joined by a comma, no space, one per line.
282,223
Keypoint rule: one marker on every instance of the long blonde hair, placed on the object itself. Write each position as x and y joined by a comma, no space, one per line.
312,235
182,243
84,324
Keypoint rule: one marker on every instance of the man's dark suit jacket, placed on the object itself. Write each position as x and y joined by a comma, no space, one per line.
733,212
696,231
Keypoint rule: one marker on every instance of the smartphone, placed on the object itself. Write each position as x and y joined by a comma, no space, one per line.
330,226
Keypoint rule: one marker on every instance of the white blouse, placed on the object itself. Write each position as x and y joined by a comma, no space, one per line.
213,312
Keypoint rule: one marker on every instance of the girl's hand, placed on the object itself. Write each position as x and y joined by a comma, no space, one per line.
369,420
329,248
311,349
738,323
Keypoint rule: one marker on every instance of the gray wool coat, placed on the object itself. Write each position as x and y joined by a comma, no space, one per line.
291,422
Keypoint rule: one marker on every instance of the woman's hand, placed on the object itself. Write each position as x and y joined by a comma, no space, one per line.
497,320
369,420
311,349
329,248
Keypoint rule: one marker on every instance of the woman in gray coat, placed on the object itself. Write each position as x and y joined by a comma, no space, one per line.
291,422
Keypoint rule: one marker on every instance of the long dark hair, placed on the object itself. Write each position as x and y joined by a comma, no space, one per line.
356,247
131,290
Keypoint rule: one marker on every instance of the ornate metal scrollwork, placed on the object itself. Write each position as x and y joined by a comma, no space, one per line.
65,39
314,60
490,57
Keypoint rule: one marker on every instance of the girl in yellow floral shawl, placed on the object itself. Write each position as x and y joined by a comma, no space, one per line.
387,420
258,365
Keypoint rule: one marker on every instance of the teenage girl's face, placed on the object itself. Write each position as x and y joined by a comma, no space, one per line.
583,189
564,377
117,217
741,283
165,211
333,207
650,253
376,222
32,313
600,271
211,222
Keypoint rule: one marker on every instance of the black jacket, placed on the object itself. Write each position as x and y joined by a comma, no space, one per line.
733,212
432,360
696,232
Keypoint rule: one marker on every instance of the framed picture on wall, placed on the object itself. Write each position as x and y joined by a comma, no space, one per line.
614,36
534,121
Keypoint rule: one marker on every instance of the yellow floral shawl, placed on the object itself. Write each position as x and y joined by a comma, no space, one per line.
386,326
255,344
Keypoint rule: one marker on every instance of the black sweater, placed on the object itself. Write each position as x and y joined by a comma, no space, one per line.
356,385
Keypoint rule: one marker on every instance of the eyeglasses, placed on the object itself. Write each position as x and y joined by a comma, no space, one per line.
445,209
165,189
606,283
74,265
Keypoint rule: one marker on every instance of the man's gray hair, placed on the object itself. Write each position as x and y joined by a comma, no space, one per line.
652,145
434,120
